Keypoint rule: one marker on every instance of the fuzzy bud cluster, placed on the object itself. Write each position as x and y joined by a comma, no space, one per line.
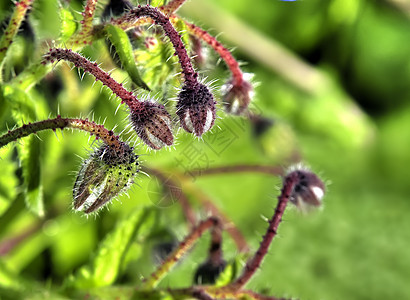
196,108
152,123
309,189
108,172
236,97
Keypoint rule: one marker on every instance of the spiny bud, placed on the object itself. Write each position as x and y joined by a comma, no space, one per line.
236,98
108,171
208,272
196,108
309,189
152,124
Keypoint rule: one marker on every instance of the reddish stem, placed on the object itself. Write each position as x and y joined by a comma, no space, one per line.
190,76
225,54
229,226
215,249
60,123
182,248
81,62
171,7
252,265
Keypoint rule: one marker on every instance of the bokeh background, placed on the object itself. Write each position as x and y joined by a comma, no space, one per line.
333,79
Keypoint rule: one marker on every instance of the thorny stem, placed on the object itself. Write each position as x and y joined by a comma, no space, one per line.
252,265
225,54
60,123
171,7
208,204
190,76
189,214
176,255
223,293
211,292
13,26
81,62
84,36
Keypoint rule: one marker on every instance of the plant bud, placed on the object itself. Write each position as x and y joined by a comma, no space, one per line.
196,109
309,189
236,98
208,272
108,172
152,123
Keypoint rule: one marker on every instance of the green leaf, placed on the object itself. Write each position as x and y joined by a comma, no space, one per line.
108,260
8,279
123,50
157,3
30,153
23,110
68,24
22,107
228,274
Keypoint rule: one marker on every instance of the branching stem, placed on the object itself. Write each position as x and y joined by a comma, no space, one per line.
252,265
13,26
182,248
57,54
60,123
129,18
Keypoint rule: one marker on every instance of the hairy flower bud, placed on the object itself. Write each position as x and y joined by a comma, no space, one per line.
196,109
309,190
152,123
236,98
109,171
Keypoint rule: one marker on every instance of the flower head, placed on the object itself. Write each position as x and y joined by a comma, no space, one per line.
196,108
152,123
236,97
309,189
108,172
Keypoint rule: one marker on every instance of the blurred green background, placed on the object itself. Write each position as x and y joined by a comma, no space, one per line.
333,76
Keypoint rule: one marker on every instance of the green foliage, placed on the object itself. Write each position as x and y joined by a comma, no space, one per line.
123,50
113,250
353,128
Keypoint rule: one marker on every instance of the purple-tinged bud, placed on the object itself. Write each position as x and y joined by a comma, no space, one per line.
108,172
236,98
152,124
196,108
309,189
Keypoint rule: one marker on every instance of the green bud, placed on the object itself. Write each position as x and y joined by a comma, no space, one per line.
108,172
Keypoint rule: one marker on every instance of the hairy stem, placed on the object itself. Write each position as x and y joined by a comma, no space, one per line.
81,62
60,123
171,7
84,36
129,18
208,204
252,265
224,53
13,26
176,255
